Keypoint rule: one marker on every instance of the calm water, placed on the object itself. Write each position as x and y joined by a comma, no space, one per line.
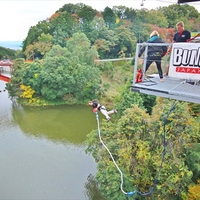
42,152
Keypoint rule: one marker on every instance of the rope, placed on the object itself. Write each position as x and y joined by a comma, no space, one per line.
121,174
162,157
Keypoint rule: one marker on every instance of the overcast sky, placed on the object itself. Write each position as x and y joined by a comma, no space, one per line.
17,16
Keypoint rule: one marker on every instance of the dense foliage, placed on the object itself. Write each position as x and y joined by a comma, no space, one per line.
114,31
66,73
6,53
136,143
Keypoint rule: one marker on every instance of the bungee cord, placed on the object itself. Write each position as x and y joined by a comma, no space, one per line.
99,134
162,157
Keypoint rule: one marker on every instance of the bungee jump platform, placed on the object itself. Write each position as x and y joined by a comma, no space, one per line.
173,88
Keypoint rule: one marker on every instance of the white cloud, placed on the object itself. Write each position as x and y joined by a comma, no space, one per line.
19,15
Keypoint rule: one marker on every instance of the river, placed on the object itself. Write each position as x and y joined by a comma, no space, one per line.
42,152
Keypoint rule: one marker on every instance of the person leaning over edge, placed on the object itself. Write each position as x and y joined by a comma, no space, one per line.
154,53
182,35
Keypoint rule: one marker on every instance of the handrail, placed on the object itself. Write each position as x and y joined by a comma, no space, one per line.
115,59
138,46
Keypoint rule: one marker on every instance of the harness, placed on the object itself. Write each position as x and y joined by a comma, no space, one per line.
101,107
155,54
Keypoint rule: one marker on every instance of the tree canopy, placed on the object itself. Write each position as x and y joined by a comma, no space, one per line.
72,18
64,72
136,143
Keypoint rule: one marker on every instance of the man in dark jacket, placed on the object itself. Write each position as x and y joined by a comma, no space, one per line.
155,53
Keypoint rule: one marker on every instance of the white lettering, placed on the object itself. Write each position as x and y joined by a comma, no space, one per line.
196,58
186,57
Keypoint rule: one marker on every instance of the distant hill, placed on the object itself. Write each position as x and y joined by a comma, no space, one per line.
7,53
15,45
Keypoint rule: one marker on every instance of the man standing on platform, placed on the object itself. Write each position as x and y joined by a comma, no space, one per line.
182,35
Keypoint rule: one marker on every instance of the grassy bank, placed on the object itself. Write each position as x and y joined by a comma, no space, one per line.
114,76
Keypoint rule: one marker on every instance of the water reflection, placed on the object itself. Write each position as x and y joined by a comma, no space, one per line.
92,191
42,152
59,124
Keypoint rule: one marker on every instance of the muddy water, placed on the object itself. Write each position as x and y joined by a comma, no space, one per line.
42,152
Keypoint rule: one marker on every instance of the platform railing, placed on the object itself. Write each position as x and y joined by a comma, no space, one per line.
138,47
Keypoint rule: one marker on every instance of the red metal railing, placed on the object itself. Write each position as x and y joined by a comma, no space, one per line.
4,78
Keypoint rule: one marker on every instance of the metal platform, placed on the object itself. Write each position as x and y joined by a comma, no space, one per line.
172,88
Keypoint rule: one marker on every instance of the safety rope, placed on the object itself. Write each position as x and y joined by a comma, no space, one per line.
121,174
162,161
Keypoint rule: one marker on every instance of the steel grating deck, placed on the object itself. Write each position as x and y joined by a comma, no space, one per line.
172,88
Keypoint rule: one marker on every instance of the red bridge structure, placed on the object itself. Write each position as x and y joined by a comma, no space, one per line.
3,76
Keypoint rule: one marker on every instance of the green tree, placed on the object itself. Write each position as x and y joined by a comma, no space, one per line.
60,38
109,17
126,99
19,54
87,13
175,13
106,43
43,45
45,38
81,50
156,17
13,86
193,160
82,57
127,41
54,76
6,53
61,25
97,29
40,48
141,30
196,24
130,13
149,101
136,143
71,70
31,76
34,32
120,11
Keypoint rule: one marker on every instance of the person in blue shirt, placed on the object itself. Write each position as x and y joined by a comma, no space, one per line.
97,106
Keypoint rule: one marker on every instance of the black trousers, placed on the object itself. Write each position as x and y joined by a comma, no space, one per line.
157,60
